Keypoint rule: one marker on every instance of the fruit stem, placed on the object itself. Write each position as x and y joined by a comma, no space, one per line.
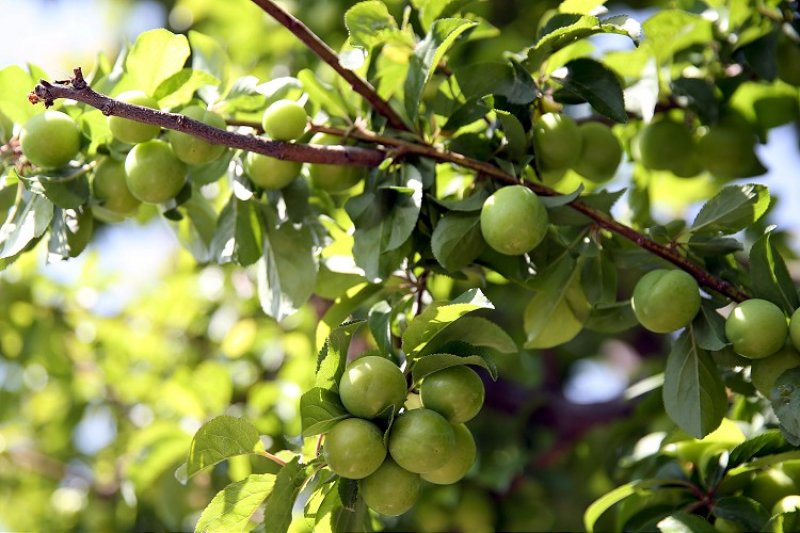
274,458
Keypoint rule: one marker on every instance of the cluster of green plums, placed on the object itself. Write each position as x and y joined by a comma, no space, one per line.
394,440
667,300
155,169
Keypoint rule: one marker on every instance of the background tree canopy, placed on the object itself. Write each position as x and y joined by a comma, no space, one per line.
174,360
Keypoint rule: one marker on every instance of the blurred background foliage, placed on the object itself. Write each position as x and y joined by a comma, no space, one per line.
109,363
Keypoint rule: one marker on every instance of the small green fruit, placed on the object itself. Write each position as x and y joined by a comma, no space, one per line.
668,145
513,220
421,440
6,128
354,448
756,328
557,141
787,504
192,150
665,300
270,173
794,329
727,526
764,372
460,460
333,178
600,154
370,385
769,487
130,131
154,173
284,120
391,490
50,139
110,188
727,149
456,393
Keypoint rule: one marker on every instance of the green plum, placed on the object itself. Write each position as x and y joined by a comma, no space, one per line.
756,328
110,188
461,459
421,440
794,329
129,131
514,220
726,150
665,300
770,486
391,490
370,385
193,150
154,173
270,173
764,372
668,145
601,152
284,120
333,178
354,448
455,393
50,139
557,141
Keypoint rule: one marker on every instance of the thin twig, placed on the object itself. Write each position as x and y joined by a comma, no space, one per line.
272,457
326,53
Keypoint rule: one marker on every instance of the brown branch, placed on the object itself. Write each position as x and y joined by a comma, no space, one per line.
77,89
326,53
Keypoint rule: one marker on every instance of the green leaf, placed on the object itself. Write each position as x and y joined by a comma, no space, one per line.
599,279
770,277
430,10
434,362
694,395
612,318
322,94
370,24
593,82
473,202
701,97
333,356
683,522
733,209
509,80
209,56
785,398
709,246
581,7
457,240
436,317
230,510
343,307
768,443
602,201
429,52
28,220
179,89
220,438
287,270
248,232
278,511
783,523
66,191
15,84
379,321
742,510
606,502
709,328
515,133
154,57
672,30
474,332
320,410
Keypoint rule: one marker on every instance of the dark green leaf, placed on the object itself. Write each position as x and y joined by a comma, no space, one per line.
320,410
612,318
592,82
701,97
708,246
599,279
380,325
734,208
433,363
683,522
474,332
770,277
278,511
509,80
551,202
694,395
769,443
473,202
709,328
742,510
515,133
457,240
333,356
602,201
785,398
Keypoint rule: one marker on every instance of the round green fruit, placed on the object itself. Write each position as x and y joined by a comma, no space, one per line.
110,188
792,468
270,173
557,141
333,178
192,150
431,516
769,487
475,512
456,393
787,504
354,448
764,372
6,128
461,459
727,526
788,61
600,154
727,149
370,385
391,490
513,220
421,440
794,329
668,145
665,300
154,173
130,131
756,328
284,120
50,139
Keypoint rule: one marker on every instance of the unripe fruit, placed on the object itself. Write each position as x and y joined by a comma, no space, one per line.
756,328
787,504
475,512
456,393
788,59
421,440
600,154
769,487
6,128
110,187
727,149
513,220
270,173
460,460
391,490
557,141
284,120
354,448
727,526
794,329
50,139
370,385
130,131
192,150
333,178
665,300
764,372
667,145
154,173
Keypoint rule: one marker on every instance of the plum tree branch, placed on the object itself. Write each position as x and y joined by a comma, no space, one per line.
326,53
77,89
